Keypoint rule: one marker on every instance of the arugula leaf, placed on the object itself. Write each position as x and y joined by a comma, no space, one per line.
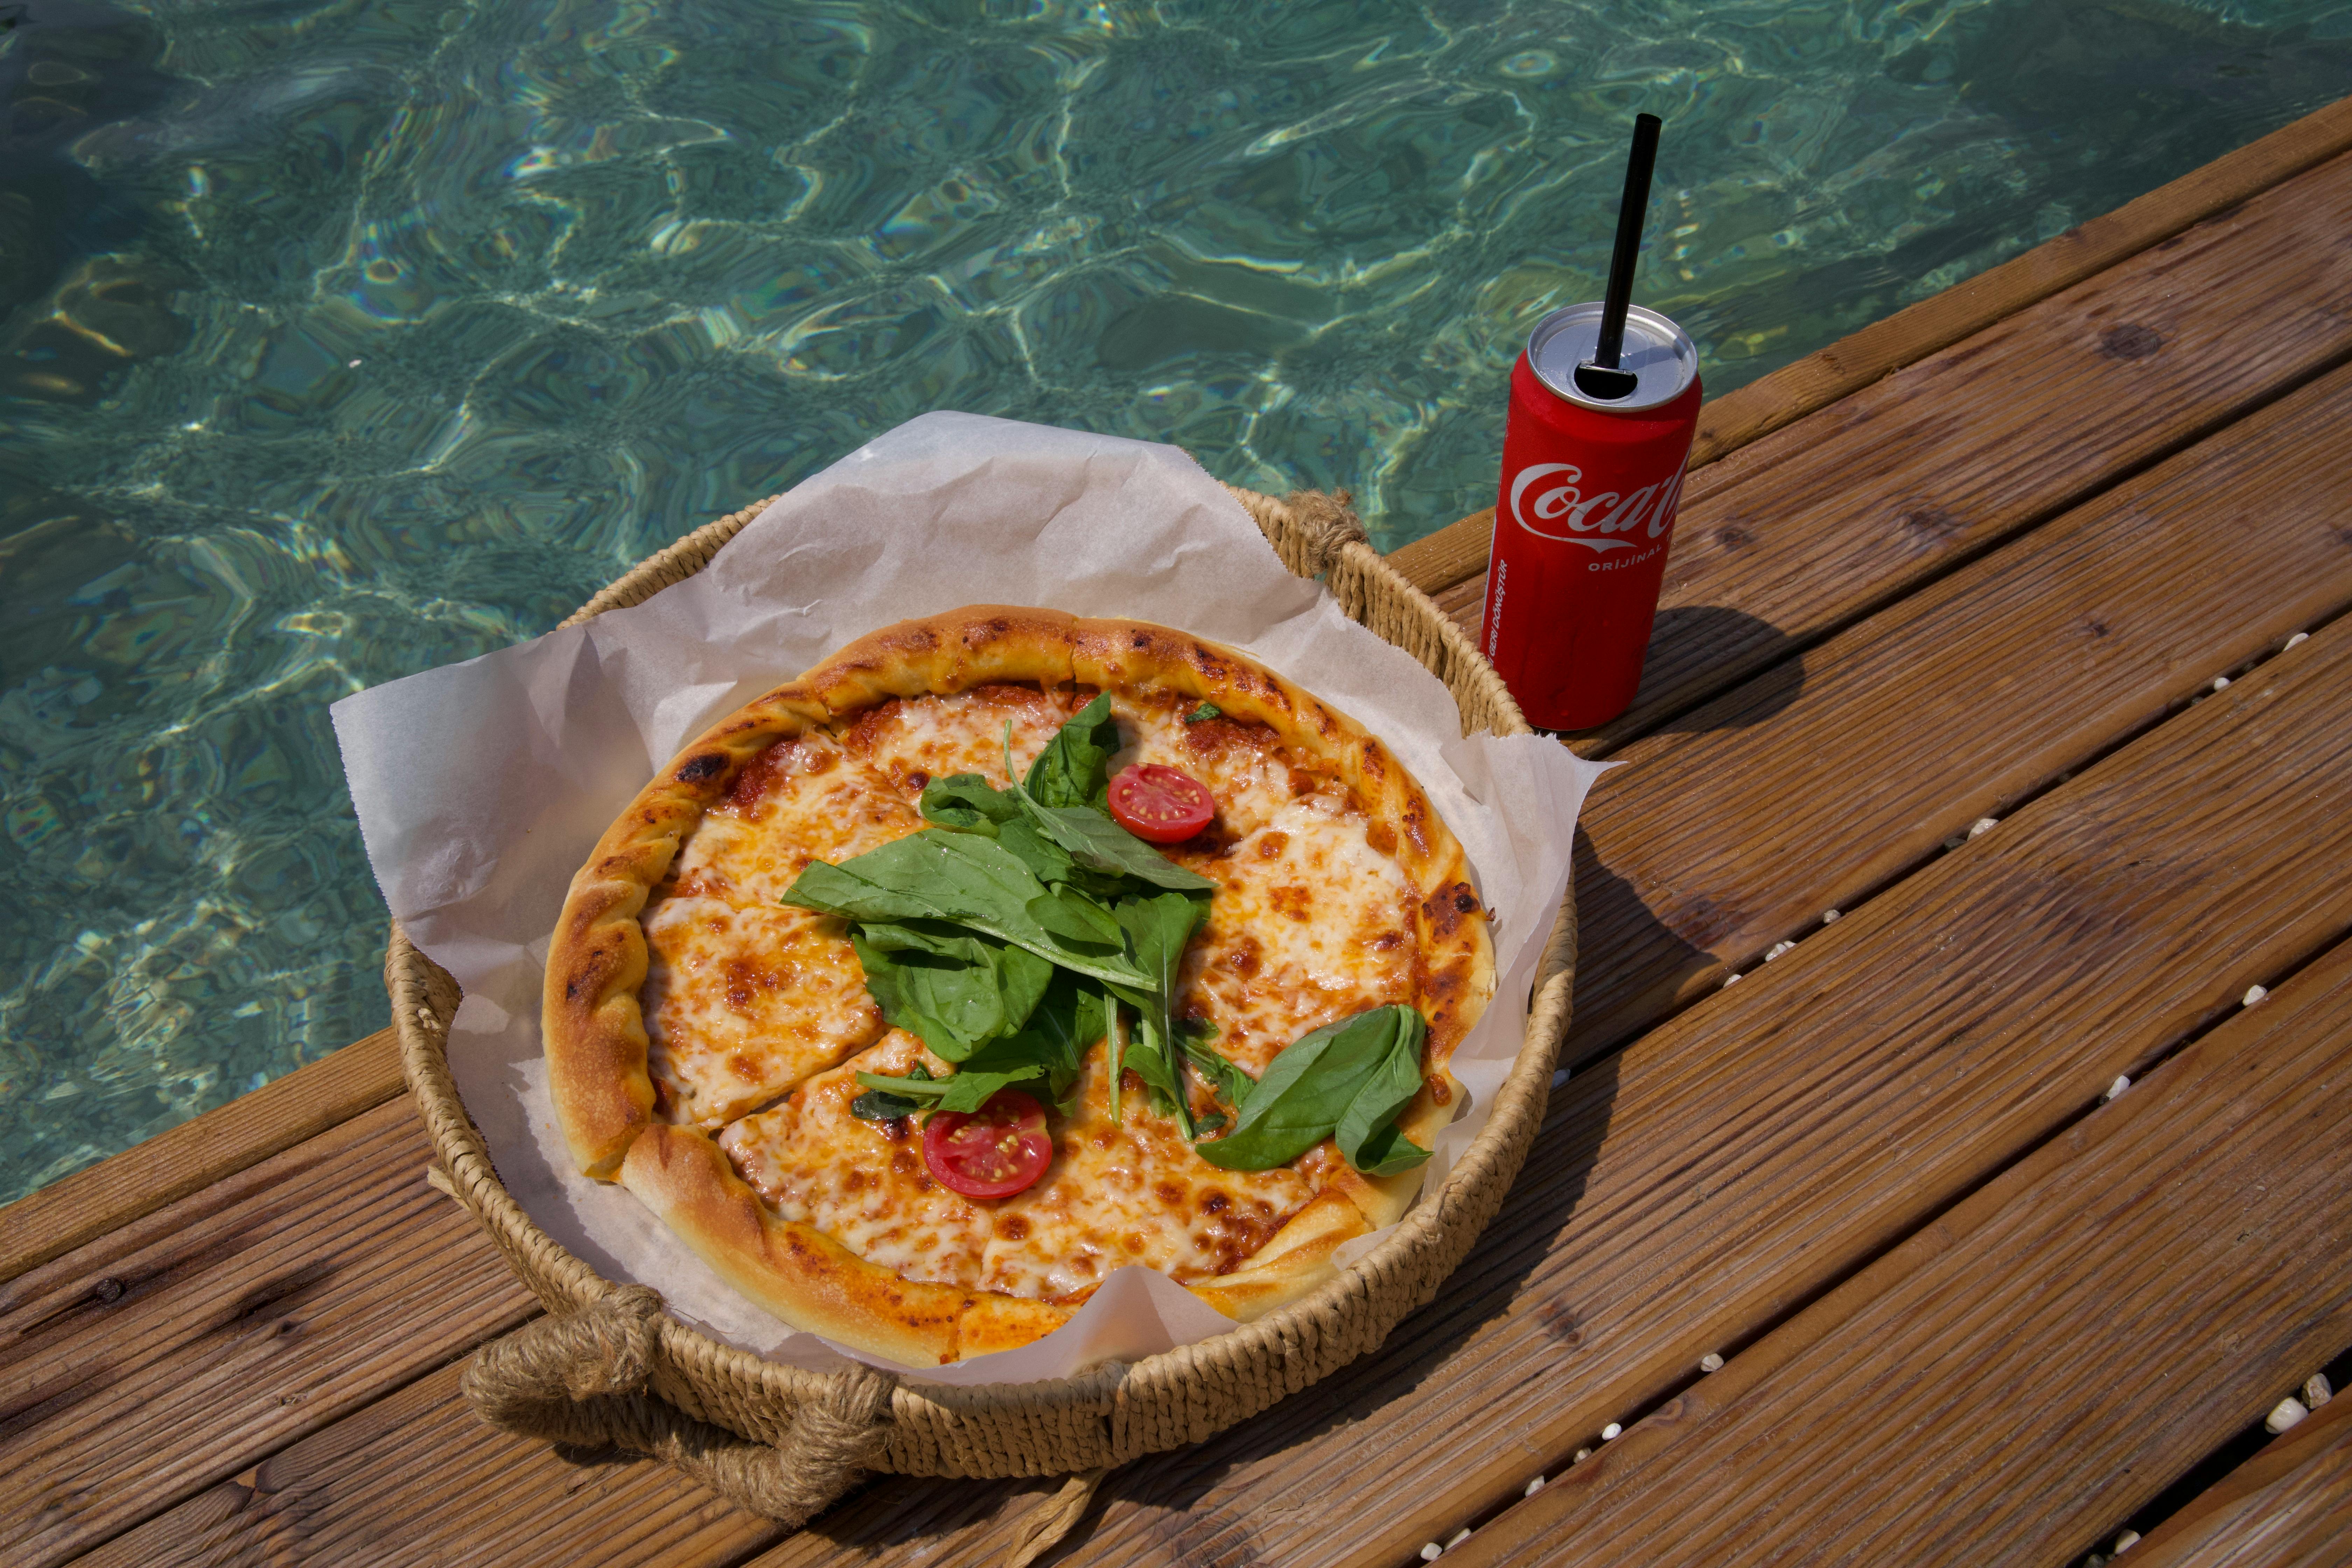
1206,710
951,989
968,803
1312,1087
880,1105
941,875
1074,767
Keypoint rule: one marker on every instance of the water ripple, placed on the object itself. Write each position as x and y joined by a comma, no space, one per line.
341,341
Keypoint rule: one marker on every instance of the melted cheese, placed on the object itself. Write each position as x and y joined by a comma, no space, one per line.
1309,924
911,742
862,1183
741,1003
800,800
1133,1192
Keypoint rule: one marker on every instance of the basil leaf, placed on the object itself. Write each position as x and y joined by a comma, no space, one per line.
1076,917
1206,710
1311,1086
1026,842
969,802
1074,767
1367,1133
941,875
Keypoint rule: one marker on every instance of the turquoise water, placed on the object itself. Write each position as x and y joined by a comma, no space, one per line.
342,339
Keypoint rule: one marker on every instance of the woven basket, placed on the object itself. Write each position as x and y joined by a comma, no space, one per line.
608,1366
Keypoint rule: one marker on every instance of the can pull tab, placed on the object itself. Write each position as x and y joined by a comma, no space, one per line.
1599,377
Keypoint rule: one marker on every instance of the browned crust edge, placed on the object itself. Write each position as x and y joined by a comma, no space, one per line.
592,1027
596,1038
791,1269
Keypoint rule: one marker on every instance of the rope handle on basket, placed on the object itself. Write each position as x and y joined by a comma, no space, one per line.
581,1380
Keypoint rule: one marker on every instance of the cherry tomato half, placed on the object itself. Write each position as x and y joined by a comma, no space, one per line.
1161,805
992,1152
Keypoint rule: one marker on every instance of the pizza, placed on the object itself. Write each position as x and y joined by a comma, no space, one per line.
1004,949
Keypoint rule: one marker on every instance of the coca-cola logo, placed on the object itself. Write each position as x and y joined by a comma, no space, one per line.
1546,501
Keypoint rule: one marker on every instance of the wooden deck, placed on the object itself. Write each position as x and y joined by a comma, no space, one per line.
1946,629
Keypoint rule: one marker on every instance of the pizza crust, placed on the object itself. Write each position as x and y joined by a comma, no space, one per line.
596,1043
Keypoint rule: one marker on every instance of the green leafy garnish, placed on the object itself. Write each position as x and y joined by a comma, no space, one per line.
968,881
1345,1080
880,1104
1025,924
951,989
1206,710
1157,929
1232,1084
1074,767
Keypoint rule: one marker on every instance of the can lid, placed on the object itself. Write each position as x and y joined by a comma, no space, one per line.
1659,354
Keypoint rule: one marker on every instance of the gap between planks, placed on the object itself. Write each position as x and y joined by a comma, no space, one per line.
2290,1502
2192,1226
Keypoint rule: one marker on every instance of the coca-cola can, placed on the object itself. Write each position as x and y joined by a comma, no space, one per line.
1585,515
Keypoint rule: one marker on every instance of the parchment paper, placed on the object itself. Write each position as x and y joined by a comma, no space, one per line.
481,786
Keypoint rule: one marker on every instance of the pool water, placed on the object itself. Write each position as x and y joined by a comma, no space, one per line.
345,339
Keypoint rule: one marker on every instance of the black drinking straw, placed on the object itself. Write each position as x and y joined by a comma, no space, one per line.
1599,376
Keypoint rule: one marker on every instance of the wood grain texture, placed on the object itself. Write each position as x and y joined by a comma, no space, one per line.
1968,307
165,1357
1792,796
1693,1190
315,1096
2039,1361
2290,1505
1446,558
414,1478
1901,481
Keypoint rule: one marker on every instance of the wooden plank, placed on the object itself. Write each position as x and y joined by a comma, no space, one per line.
164,1358
1931,466
417,1468
78,1208
2290,1504
2016,1379
1690,1191
1791,796
1458,550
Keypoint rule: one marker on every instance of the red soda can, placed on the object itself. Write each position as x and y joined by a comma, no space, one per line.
1585,515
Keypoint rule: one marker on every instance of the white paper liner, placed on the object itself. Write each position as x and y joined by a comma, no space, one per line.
481,786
